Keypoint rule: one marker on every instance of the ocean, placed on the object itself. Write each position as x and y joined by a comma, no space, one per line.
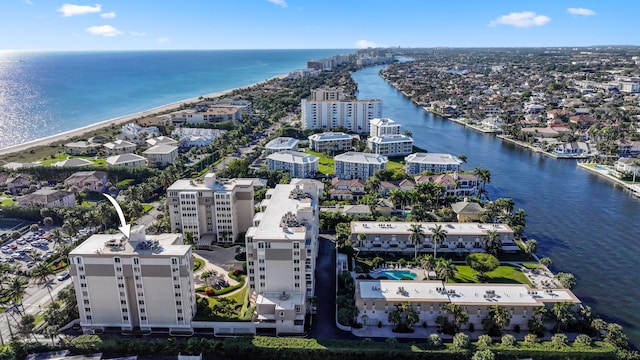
47,93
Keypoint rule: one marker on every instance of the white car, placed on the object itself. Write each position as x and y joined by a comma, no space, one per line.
63,275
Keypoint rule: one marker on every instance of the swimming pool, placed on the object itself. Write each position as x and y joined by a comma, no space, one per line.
396,274
601,168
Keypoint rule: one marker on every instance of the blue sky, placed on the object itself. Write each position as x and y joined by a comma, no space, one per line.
305,24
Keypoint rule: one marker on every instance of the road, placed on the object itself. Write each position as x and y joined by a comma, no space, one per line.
37,298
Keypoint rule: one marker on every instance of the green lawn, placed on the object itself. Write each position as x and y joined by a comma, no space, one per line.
6,202
504,274
48,161
325,164
146,208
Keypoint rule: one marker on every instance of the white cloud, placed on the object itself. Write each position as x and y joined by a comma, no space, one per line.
73,10
104,30
109,15
521,19
163,40
28,2
137,33
363,44
581,11
282,3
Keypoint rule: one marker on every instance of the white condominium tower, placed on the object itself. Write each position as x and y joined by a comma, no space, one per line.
327,109
214,211
145,281
281,254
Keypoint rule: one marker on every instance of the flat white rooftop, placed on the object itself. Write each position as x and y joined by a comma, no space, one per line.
463,294
433,158
293,157
280,204
282,301
452,228
361,158
117,244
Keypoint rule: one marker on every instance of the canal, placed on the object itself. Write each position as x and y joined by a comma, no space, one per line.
585,224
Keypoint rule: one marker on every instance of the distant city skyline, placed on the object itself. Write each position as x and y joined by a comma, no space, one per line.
298,24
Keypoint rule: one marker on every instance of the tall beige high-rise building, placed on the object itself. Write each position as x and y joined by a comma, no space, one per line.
215,211
145,281
282,247
354,115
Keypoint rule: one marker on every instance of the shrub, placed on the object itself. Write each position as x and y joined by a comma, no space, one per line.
238,272
209,291
508,340
461,341
434,341
484,340
471,327
484,354
424,324
531,338
583,340
516,329
393,342
367,341
379,324
559,340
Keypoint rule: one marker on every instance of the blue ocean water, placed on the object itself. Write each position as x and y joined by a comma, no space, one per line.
46,93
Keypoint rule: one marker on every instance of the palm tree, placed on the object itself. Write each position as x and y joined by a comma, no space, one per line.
373,184
530,247
17,288
460,316
497,319
493,242
41,272
484,176
438,234
562,313
428,263
463,158
445,269
635,164
57,236
416,236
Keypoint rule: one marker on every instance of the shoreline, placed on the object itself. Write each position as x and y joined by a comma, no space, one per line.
634,189
67,135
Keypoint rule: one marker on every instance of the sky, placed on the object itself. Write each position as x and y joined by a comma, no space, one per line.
313,24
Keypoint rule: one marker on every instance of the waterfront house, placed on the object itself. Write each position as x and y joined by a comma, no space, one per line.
455,184
467,211
161,155
90,180
629,148
137,134
127,160
119,147
281,144
331,142
358,165
574,148
298,164
48,198
419,162
628,166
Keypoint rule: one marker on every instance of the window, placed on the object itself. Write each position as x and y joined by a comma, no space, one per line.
116,260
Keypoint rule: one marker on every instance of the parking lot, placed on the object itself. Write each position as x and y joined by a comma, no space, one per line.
32,247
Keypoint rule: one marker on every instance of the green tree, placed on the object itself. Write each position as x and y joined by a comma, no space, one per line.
16,288
428,263
567,280
483,354
497,319
445,269
416,236
460,316
492,242
27,324
530,247
615,335
482,263
438,235
461,341
563,314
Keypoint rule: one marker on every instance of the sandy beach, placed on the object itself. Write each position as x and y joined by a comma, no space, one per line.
67,135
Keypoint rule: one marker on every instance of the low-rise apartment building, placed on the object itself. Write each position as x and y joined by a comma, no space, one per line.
357,165
383,126
391,145
460,238
281,144
434,162
375,299
298,164
331,141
